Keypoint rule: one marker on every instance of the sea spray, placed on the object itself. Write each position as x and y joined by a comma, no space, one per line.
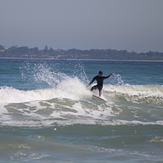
118,79
43,76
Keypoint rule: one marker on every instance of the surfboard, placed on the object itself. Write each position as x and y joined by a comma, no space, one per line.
97,97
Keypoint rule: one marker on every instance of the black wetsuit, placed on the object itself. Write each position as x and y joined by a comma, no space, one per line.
99,80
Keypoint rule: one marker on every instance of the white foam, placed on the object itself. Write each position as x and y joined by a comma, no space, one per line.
11,95
136,90
71,88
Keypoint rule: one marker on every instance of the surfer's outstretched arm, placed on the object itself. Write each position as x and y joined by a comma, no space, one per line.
91,82
108,76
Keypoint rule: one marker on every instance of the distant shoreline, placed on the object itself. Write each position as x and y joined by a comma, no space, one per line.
83,59
25,52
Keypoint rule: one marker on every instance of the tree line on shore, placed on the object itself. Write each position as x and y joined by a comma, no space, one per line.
50,53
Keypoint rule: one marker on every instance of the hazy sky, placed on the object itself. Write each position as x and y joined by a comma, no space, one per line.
134,25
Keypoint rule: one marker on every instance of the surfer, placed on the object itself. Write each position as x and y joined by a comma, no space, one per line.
99,78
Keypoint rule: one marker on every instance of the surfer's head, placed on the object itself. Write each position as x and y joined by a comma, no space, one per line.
100,73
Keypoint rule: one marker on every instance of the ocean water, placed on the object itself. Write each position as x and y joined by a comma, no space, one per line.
48,115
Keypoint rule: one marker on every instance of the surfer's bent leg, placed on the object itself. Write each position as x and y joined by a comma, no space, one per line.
97,87
94,87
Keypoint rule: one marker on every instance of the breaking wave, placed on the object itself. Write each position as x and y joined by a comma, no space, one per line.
69,104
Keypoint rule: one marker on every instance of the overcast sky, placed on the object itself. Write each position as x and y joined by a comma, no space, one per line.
133,25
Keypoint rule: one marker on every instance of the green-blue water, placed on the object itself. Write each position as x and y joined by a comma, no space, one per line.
48,115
